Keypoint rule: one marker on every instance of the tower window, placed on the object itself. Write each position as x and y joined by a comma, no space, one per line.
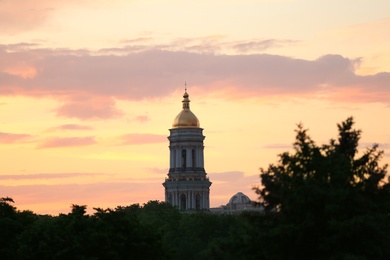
183,201
184,158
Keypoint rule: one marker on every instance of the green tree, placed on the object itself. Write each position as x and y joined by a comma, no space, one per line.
329,202
9,227
12,223
107,234
6,209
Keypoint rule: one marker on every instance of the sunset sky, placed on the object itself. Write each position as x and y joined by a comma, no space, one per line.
89,89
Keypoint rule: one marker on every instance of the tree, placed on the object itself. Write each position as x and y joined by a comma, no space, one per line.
12,223
330,203
9,227
6,209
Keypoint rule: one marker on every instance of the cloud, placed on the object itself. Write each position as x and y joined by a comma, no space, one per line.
381,146
278,146
88,84
10,138
226,184
46,176
67,142
71,127
25,15
228,177
58,198
142,119
259,45
158,170
89,107
138,40
133,139
211,44
384,146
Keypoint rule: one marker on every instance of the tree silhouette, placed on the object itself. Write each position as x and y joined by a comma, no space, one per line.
327,199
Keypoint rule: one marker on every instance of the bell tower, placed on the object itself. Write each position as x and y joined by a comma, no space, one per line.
187,185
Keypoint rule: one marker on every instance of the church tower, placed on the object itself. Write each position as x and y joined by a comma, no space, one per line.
187,185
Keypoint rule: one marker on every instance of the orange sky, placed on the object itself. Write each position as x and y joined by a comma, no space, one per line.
89,89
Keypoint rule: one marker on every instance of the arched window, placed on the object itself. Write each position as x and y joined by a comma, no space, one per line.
184,158
193,159
183,201
197,201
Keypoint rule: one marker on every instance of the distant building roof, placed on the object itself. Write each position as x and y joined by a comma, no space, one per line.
238,203
239,198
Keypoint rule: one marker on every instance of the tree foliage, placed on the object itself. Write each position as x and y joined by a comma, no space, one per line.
330,202
155,230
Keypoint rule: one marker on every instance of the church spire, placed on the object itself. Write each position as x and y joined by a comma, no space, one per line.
186,101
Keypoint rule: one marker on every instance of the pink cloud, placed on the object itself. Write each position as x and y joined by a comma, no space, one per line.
17,17
226,184
158,170
142,119
89,107
278,146
67,142
88,85
46,176
212,44
72,127
137,40
58,198
382,146
9,138
259,45
25,15
132,139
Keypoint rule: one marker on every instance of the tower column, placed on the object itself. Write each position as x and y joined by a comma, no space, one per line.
204,204
192,200
171,157
188,199
202,157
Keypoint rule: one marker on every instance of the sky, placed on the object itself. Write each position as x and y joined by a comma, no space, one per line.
89,89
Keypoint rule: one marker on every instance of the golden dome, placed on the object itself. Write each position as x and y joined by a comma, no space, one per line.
185,119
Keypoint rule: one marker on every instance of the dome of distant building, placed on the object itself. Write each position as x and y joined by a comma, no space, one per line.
186,119
239,198
238,203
